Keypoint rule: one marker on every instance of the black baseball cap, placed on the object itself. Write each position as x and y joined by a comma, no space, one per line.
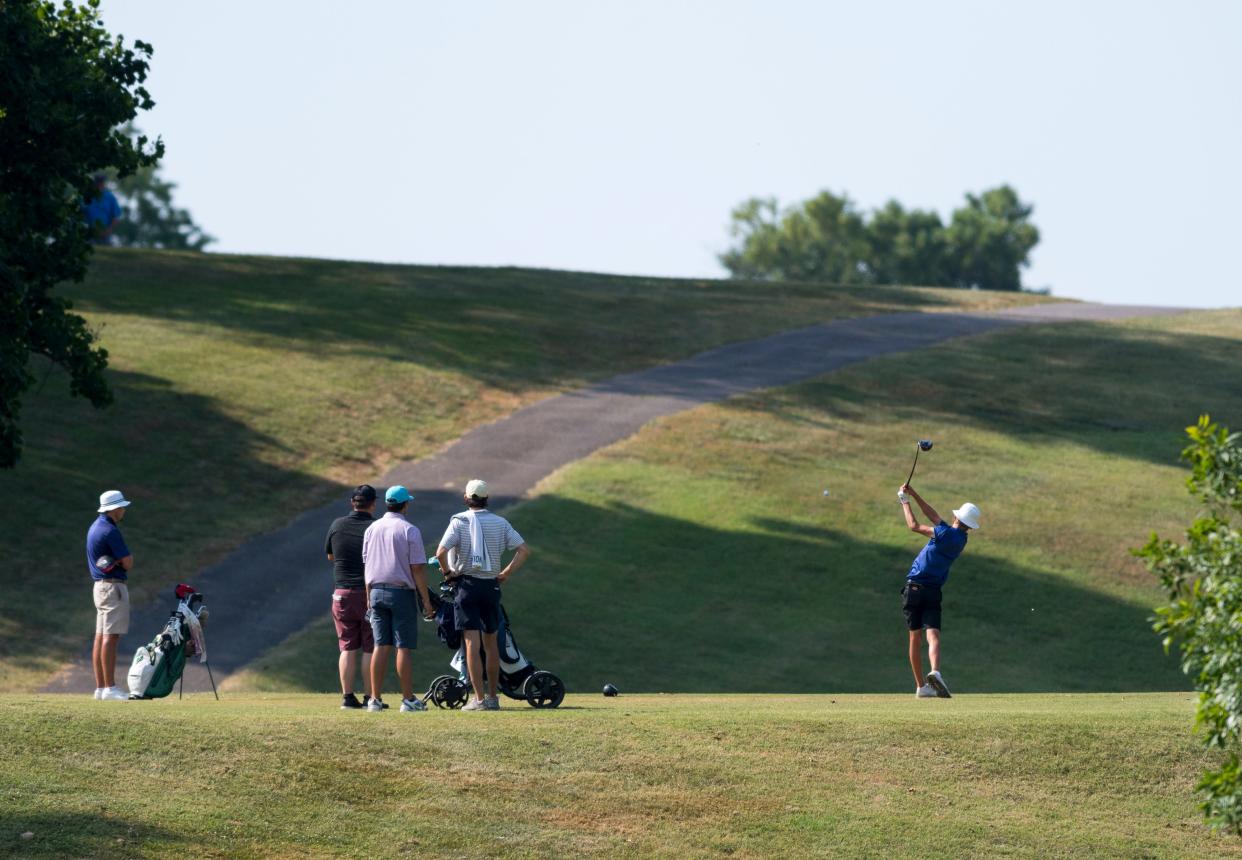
363,493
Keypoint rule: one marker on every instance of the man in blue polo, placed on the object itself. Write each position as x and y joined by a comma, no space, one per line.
101,212
921,594
109,561
395,569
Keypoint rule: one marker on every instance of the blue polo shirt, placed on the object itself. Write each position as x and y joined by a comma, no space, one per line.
931,567
102,210
104,538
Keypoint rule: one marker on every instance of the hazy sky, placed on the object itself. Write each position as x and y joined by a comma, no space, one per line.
617,136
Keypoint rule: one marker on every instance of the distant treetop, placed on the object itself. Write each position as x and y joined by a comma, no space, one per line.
984,246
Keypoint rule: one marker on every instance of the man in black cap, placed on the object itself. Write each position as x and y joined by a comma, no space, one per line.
349,601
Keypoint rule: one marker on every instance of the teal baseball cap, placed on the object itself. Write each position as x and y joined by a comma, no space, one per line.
397,495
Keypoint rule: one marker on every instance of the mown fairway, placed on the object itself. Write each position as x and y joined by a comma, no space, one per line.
701,555
251,389
742,776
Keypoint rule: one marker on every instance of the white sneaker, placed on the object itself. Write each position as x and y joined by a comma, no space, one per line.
937,683
375,706
409,706
113,694
474,705
98,693
927,691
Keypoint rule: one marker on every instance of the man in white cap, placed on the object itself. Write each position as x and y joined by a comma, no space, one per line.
921,594
109,561
471,550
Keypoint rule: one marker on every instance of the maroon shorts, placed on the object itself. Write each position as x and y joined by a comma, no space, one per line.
349,611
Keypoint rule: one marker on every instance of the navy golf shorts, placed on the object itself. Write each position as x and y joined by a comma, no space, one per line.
476,606
921,605
394,616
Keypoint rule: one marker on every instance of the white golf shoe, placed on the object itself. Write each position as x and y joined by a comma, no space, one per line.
937,683
113,694
475,705
409,706
926,692
98,693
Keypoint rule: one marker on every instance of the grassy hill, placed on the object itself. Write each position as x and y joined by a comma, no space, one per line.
249,389
638,776
701,555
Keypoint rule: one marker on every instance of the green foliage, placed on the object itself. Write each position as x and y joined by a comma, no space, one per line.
984,246
823,240
149,219
989,240
66,89
1203,580
908,247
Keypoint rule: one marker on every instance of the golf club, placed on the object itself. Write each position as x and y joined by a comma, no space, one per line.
921,445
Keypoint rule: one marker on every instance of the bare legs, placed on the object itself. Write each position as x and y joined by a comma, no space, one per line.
474,661
103,658
347,666
916,653
405,670
933,648
405,673
916,657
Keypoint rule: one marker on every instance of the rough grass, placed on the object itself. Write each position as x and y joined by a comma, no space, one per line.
701,555
249,389
741,776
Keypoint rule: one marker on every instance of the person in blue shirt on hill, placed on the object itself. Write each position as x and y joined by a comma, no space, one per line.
101,212
920,598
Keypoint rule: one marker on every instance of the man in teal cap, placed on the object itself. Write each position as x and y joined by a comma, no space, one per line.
395,565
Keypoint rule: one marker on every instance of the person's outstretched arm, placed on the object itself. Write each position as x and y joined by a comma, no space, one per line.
928,510
903,493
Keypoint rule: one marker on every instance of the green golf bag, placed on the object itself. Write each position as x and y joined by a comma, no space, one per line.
158,665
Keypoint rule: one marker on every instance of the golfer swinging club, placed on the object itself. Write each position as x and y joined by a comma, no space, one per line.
920,598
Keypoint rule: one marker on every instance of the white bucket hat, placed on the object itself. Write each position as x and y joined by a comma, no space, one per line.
969,514
112,500
477,488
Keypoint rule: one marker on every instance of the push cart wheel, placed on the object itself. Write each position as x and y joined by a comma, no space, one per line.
447,691
433,689
451,693
543,690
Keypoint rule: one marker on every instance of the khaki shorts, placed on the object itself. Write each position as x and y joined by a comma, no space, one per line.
112,607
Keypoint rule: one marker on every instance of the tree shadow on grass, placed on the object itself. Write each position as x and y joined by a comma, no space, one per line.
542,328
200,481
77,833
1120,390
657,604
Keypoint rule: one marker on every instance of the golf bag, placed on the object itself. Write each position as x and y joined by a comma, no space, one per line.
158,665
519,678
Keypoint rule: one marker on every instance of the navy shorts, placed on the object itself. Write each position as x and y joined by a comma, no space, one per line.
476,606
394,616
921,605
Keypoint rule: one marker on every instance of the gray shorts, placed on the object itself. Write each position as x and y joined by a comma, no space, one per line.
394,616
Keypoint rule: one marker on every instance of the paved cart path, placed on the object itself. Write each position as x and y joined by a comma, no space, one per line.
275,584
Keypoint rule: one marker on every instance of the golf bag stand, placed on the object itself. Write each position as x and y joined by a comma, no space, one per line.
211,677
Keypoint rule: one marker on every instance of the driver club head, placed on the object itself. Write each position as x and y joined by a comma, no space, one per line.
925,444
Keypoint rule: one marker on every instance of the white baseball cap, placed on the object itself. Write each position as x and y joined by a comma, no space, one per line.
969,514
477,488
111,500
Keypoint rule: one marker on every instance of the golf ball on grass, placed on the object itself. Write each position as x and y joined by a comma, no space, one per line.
825,492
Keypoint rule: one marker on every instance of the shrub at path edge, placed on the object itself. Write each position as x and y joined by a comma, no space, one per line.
1203,578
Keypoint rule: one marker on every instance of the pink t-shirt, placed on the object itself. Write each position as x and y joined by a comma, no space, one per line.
391,544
